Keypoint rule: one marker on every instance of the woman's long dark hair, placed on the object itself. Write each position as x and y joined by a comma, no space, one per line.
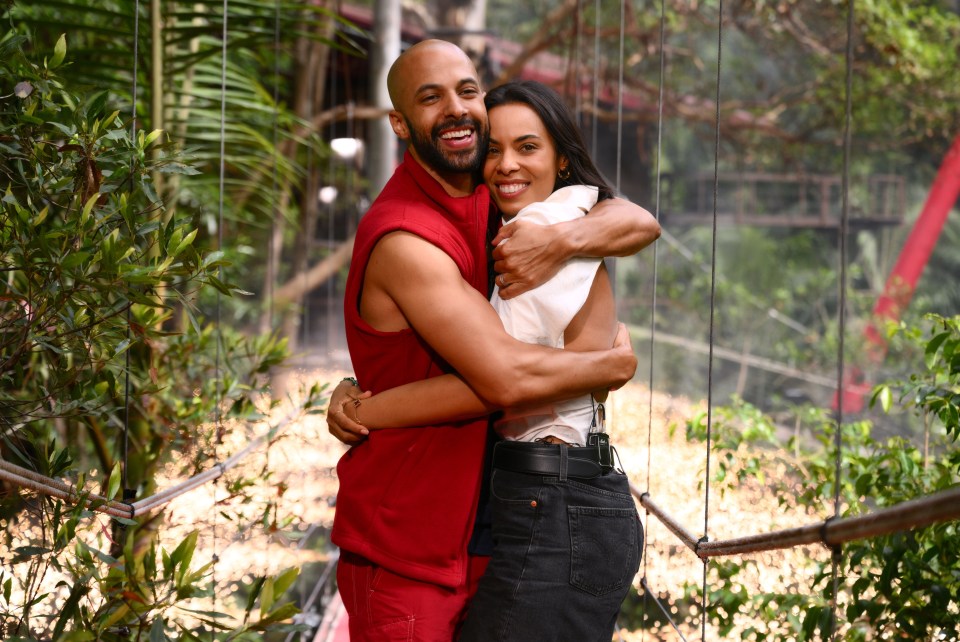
559,122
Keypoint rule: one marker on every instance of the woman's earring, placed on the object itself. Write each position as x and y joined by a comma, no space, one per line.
564,173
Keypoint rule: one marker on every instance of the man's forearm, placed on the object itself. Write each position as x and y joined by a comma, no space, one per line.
614,227
535,374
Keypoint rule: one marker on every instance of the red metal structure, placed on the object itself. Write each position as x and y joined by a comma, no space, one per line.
902,281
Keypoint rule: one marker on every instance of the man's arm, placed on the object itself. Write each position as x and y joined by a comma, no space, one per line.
534,253
352,413
460,325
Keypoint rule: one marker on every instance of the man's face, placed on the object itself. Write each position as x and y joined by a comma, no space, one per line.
443,116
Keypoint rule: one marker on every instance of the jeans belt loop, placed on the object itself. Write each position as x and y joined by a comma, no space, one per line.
563,462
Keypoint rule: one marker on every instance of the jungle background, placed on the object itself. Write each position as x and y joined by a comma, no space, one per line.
173,257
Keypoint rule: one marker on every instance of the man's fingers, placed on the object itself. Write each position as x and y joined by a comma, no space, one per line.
623,336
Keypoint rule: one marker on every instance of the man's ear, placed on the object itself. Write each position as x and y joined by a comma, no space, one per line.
399,125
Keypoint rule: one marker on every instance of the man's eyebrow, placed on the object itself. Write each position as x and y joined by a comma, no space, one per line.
437,86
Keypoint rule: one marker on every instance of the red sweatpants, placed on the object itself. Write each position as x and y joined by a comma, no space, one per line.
386,607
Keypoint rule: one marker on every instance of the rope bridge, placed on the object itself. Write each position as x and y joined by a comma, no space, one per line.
51,487
831,532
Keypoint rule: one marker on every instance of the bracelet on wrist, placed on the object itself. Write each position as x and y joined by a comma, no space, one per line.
352,380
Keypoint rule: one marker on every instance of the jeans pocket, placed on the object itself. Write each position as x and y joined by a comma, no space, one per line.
514,488
604,548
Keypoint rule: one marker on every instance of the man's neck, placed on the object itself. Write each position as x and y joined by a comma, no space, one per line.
455,184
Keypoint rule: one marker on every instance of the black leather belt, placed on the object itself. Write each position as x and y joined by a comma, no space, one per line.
537,458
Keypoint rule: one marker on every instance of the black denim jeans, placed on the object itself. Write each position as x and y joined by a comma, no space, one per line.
565,554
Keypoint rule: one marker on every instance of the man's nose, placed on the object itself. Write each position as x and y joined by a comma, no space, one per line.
455,107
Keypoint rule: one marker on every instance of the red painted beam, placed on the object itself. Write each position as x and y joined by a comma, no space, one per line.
903,279
919,245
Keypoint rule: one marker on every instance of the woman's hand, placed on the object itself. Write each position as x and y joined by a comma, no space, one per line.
345,427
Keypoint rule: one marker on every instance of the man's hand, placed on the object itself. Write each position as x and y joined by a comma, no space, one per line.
338,423
624,348
527,255
533,253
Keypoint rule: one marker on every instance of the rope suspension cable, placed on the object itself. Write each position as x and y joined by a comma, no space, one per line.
623,19
218,395
274,182
129,493
577,62
837,551
653,312
596,78
916,513
938,507
57,488
713,308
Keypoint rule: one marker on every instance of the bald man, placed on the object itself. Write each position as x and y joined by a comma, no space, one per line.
416,307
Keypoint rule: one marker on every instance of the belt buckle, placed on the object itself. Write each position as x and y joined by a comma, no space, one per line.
601,441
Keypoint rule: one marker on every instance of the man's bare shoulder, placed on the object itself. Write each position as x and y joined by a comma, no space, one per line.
405,250
406,277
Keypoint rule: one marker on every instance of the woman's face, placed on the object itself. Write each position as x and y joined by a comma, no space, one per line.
522,161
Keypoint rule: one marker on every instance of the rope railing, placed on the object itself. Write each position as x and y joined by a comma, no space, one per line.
44,485
937,507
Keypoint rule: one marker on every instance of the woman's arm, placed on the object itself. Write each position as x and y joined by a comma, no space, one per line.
447,398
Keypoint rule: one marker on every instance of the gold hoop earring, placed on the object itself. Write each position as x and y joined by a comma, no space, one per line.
564,173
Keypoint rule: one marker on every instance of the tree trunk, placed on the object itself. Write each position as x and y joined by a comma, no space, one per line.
312,67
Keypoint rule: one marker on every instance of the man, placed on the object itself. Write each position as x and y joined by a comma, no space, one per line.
416,307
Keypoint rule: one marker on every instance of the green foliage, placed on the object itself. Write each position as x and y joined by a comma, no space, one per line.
904,585
93,270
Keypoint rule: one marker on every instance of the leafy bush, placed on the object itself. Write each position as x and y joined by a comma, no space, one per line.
905,585
92,271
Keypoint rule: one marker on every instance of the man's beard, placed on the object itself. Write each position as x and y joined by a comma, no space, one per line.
443,160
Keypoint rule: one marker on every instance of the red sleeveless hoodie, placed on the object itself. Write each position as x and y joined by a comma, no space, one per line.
408,496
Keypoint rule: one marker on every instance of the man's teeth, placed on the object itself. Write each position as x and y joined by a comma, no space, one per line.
512,188
457,134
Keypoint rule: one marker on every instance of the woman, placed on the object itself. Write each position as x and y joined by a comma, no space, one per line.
567,537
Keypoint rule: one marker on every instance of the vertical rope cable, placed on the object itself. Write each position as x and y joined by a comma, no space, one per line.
623,19
219,383
713,307
835,558
653,296
596,79
577,63
127,491
275,204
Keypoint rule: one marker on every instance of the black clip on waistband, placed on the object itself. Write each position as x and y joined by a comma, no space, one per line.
601,441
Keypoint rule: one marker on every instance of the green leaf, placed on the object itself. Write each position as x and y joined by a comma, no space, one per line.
73,259
88,207
933,347
886,398
158,632
184,243
114,484
69,608
266,597
254,593
285,580
59,52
